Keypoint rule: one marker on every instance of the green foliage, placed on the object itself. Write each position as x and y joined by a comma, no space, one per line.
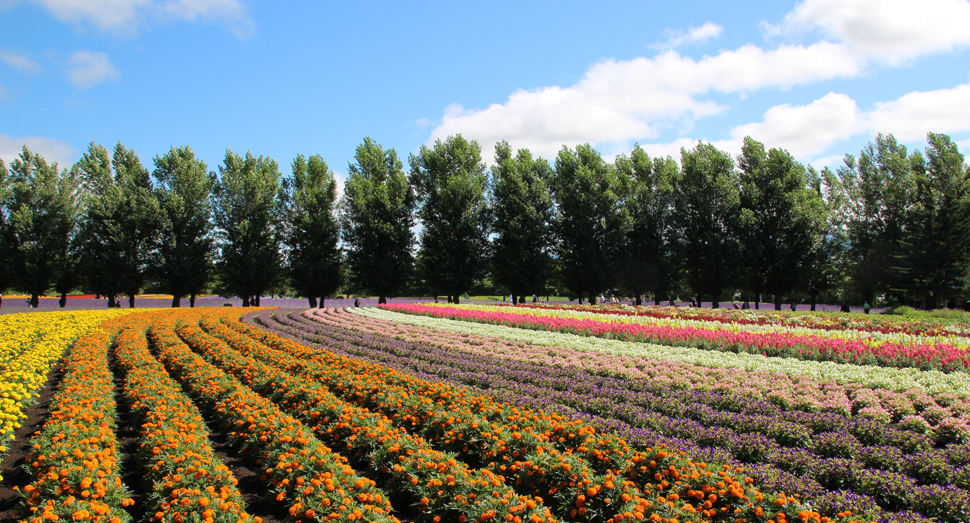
183,259
707,209
248,218
651,260
42,211
312,230
591,219
120,221
782,220
377,214
523,211
450,183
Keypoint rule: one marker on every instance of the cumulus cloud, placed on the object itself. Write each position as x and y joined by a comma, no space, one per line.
51,149
86,68
694,35
126,16
21,62
912,115
806,129
892,31
617,101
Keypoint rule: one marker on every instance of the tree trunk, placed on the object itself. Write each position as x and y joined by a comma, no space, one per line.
63,301
34,300
777,302
176,301
256,303
323,302
714,304
457,298
111,301
313,302
639,300
192,300
514,299
245,301
131,301
381,300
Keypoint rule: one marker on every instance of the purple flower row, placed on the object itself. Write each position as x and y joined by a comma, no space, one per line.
831,480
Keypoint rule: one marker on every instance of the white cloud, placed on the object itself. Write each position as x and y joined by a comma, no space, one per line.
126,16
913,115
619,101
51,149
21,62
86,68
693,35
892,31
806,129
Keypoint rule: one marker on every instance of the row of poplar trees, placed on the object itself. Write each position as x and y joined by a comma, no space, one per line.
888,222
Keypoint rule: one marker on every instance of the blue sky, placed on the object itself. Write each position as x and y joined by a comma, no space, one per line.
818,77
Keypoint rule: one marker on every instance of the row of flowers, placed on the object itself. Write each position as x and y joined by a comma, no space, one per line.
74,460
794,408
535,447
793,449
829,321
30,346
313,482
435,481
186,477
786,381
943,357
872,337
550,387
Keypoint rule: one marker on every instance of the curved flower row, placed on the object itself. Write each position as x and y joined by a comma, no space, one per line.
872,337
30,346
187,478
549,387
315,483
824,405
888,474
74,457
436,481
933,382
828,321
943,357
520,440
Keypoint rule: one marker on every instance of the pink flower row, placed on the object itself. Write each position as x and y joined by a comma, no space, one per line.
940,356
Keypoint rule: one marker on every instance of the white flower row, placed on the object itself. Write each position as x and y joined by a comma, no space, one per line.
934,382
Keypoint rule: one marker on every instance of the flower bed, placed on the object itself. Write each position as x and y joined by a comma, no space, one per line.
941,356
611,403
454,422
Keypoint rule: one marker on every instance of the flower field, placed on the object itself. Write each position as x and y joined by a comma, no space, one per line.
881,343
380,415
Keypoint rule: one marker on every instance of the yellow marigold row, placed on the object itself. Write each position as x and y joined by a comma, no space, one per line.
32,343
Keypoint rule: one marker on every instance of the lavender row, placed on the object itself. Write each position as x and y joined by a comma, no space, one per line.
828,481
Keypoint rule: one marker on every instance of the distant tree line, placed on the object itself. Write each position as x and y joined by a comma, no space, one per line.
761,226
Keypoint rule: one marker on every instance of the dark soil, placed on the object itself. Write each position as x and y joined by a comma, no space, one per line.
12,469
127,437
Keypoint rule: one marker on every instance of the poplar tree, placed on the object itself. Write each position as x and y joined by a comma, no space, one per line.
248,217
707,203
41,206
120,221
185,242
450,185
313,232
590,220
523,209
376,217
651,260
782,219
